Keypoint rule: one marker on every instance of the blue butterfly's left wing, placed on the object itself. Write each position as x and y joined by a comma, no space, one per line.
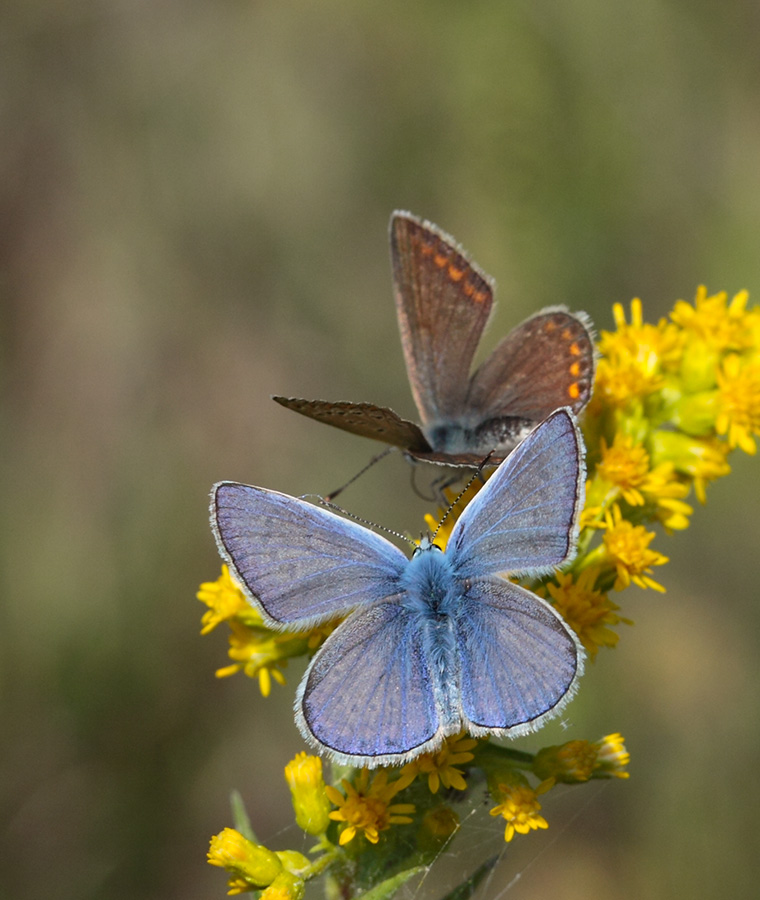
300,565
524,520
369,696
519,662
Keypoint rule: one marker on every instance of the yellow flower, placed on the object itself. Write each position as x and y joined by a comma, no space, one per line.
611,757
626,466
712,320
519,806
570,763
632,358
627,546
248,863
739,393
440,766
307,789
587,611
367,808
578,761
258,655
224,598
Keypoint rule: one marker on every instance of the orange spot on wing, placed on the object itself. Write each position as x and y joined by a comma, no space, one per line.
455,274
480,296
574,391
575,350
440,260
575,369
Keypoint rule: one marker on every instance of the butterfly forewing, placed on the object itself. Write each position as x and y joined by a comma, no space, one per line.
300,564
524,520
443,303
368,695
364,419
543,364
518,661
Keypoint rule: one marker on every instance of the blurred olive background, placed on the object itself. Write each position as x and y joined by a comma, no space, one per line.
194,201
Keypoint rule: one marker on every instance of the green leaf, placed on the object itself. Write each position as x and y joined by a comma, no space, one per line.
388,888
240,817
467,888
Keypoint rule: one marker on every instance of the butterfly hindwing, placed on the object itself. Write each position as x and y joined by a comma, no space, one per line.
524,519
518,661
369,694
301,565
543,364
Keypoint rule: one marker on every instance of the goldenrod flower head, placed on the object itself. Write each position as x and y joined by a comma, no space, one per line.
285,887
440,766
519,806
307,790
714,321
258,654
589,612
367,808
249,863
627,546
611,757
570,763
633,358
225,600
739,403
626,466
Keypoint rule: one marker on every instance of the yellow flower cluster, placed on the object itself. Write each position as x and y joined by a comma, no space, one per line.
251,866
256,650
670,402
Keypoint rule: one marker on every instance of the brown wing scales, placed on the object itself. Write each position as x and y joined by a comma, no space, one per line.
364,419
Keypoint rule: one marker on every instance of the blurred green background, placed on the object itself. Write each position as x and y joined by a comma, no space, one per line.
194,200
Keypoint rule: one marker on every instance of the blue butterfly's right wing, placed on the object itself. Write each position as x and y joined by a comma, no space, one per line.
525,519
369,696
299,564
519,662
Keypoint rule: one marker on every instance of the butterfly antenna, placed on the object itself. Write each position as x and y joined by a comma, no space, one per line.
333,494
477,474
326,502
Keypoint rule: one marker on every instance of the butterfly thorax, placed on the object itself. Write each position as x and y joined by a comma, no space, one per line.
429,584
500,434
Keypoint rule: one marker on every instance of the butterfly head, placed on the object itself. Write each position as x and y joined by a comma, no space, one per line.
426,544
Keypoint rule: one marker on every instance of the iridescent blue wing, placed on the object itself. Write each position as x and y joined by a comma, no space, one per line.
368,697
299,564
519,662
524,520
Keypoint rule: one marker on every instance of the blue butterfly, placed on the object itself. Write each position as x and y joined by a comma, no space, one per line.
431,645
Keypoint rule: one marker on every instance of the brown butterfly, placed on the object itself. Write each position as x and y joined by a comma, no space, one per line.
444,301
